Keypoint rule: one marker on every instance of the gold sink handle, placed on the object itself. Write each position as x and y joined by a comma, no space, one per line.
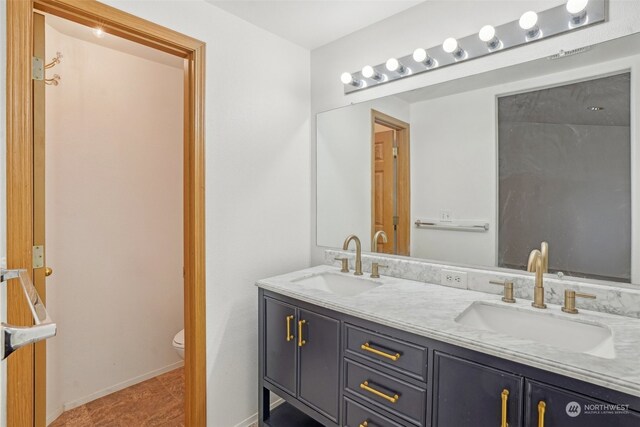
570,300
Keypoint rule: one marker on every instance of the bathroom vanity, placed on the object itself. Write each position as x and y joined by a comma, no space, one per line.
352,351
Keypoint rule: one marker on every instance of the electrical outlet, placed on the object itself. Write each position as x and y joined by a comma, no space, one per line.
445,216
455,279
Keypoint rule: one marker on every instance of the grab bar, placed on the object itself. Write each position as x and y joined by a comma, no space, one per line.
14,337
453,226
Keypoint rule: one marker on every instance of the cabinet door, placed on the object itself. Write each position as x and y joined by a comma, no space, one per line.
467,394
280,344
319,358
563,408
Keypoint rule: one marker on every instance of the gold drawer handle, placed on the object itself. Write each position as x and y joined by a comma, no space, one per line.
505,398
364,424
289,334
541,408
367,347
301,341
392,399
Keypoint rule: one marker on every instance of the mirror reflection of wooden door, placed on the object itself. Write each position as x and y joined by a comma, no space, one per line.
390,192
384,188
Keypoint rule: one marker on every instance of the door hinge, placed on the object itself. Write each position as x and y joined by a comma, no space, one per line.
37,68
395,151
396,220
38,256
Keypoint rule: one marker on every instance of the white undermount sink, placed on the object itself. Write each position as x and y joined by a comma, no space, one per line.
541,326
342,284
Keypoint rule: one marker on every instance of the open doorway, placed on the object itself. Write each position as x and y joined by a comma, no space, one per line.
112,216
26,370
390,182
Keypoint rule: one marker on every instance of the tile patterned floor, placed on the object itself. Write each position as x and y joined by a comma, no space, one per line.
158,402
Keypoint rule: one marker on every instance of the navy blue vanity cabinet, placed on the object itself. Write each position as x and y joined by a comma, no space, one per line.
320,363
550,406
280,344
336,370
300,362
468,394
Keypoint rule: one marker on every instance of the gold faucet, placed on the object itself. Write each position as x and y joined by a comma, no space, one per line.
539,262
375,273
345,246
374,241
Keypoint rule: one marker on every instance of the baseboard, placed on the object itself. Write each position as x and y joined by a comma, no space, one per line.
112,389
249,422
54,416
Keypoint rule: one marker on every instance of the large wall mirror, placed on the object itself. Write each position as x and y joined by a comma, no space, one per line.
480,170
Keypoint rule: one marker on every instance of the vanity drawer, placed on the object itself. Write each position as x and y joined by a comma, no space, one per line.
398,397
356,415
404,357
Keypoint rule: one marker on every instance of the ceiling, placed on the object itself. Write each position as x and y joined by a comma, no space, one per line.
313,23
110,41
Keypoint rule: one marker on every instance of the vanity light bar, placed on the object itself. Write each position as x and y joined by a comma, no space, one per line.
530,27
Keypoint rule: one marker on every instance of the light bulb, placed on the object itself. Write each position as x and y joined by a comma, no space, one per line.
528,20
395,66
451,46
488,35
577,6
392,64
347,79
98,32
421,55
578,11
529,23
370,73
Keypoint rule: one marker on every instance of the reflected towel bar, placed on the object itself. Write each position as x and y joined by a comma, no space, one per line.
452,226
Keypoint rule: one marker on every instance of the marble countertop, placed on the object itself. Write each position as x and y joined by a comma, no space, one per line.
430,310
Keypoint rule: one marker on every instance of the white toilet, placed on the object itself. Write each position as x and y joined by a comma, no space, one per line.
178,343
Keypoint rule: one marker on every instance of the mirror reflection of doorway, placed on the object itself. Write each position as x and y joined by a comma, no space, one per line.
390,182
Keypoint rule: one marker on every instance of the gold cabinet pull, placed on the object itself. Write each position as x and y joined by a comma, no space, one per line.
505,398
367,347
392,399
541,408
289,334
364,424
301,341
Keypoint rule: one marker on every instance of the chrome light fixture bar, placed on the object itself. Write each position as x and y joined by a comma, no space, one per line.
573,15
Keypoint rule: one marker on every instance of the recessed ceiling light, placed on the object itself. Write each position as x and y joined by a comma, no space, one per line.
594,108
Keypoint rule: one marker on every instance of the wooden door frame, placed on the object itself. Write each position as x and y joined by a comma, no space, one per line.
20,367
404,192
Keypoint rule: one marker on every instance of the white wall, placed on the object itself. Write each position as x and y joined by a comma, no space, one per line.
453,168
113,219
427,25
344,163
257,185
